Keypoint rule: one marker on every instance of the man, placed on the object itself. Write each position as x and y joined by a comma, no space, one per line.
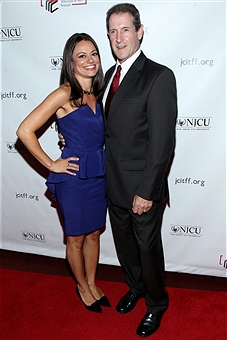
140,137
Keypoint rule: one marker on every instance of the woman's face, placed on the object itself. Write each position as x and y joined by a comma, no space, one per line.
85,60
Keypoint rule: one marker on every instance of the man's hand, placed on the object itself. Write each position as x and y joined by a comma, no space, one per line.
61,142
140,205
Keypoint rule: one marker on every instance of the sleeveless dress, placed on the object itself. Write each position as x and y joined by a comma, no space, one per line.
82,198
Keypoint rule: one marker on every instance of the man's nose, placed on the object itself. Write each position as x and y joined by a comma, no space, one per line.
118,36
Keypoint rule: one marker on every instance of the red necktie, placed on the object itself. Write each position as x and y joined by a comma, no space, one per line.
113,89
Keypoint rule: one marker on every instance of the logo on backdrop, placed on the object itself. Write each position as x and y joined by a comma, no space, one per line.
189,180
185,230
35,237
14,147
53,5
11,147
222,261
196,62
193,123
13,95
18,146
56,63
11,33
25,195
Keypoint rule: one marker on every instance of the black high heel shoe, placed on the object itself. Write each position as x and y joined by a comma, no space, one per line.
104,301
94,307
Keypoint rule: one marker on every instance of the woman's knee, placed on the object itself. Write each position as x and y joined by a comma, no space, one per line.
75,242
93,237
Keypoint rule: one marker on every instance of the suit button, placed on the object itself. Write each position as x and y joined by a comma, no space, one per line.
107,135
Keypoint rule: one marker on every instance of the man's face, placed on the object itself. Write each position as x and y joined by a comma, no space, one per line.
124,39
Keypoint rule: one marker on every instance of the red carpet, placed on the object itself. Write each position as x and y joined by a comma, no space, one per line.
40,306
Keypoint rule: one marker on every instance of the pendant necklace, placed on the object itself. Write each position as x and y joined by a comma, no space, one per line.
88,92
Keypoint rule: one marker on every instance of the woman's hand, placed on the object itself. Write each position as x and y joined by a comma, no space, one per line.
65,165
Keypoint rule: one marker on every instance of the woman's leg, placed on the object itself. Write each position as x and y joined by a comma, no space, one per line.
75,256
91,257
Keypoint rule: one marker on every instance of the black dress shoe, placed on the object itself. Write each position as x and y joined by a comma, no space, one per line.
104,301
128,302
149,324
94,307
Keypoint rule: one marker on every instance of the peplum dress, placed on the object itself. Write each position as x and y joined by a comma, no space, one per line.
82,198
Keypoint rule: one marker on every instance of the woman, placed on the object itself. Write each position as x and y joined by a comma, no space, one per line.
77,178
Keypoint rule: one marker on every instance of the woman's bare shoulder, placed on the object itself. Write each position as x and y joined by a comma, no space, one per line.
64,91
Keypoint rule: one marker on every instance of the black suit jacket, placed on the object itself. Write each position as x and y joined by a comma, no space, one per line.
140,132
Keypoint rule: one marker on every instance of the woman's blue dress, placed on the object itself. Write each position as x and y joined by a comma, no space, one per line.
82,198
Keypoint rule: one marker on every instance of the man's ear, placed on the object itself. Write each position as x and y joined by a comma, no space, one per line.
141,32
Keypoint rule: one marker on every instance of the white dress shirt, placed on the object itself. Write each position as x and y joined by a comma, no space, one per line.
125,66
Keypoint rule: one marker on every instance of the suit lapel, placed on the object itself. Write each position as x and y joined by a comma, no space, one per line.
127,83
108,76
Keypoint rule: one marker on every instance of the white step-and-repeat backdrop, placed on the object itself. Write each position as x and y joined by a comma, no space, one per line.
190,38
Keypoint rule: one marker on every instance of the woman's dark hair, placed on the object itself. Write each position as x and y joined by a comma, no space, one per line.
124,8
67,73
